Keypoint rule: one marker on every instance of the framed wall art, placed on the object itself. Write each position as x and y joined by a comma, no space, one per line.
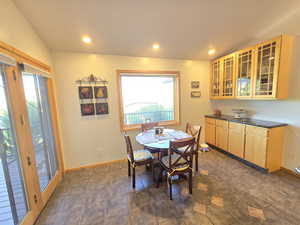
85,92
195,94
195,84
100,91
101,108
93,95
87,109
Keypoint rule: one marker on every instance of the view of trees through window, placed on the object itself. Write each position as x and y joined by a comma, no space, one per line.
13,203
147,98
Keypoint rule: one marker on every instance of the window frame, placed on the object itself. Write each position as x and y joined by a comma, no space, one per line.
177,97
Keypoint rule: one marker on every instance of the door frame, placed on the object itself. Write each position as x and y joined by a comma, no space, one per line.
35,198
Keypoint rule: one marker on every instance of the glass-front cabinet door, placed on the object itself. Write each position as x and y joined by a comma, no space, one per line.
215,79
228,76
266,72
244,73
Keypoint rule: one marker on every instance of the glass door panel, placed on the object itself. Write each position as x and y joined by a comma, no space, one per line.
13,199
265,71
215,80
244,73
36,94
228,76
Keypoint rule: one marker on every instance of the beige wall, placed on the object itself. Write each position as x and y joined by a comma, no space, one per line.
98,139
16,31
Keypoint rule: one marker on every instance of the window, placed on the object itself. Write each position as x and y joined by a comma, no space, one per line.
147,96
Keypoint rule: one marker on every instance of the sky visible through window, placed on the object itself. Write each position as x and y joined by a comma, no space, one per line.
144,95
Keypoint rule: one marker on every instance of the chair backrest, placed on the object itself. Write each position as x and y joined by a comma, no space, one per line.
195,131
186,155
148,126
129,147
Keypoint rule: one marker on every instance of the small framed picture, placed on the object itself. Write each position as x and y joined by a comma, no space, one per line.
85,92
87,109
195,94
101,108
100,91
195,84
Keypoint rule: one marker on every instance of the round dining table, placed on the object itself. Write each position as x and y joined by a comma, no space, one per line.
160,143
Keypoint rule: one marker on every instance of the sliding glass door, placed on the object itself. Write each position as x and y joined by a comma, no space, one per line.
30,163
39,113
30,152
13,197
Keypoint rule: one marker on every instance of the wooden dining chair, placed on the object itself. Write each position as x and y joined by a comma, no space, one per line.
148,126
195,131
137,158
179,162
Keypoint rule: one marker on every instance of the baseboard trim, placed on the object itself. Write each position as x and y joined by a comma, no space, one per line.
94,165
289,171
247,163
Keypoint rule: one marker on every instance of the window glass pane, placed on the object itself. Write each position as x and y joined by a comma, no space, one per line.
13,203
147,98
41,126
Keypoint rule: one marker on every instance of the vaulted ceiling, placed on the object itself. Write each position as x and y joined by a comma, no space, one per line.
184,29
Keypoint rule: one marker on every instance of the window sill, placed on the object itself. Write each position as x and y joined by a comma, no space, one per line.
138,126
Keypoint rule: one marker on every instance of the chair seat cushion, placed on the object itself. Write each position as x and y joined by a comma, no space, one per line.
141,155
182,164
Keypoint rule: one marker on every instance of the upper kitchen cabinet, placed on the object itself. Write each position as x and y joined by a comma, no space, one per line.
215,85
244,73
223,79
228,76
272,62
257,72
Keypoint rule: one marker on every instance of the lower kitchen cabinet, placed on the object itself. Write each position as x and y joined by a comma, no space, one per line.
222,134
258,145
236,139
263,147
210,131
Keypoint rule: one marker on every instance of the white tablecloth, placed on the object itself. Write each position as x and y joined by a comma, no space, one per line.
149,136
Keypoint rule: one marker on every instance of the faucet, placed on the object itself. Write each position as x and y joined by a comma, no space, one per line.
297,170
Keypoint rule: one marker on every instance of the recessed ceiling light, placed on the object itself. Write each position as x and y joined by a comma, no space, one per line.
86,39
212,51
155,46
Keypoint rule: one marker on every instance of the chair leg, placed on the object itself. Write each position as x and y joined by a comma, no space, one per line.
129,169
191,182
196,160
152,170
133,177
170,187
159,177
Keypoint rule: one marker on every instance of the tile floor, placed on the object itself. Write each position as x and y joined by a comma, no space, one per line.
226,192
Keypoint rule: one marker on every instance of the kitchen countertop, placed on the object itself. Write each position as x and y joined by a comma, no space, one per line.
249,121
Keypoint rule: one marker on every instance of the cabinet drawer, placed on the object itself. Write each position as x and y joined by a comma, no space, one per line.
222,123
236,126
210,121
258,131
